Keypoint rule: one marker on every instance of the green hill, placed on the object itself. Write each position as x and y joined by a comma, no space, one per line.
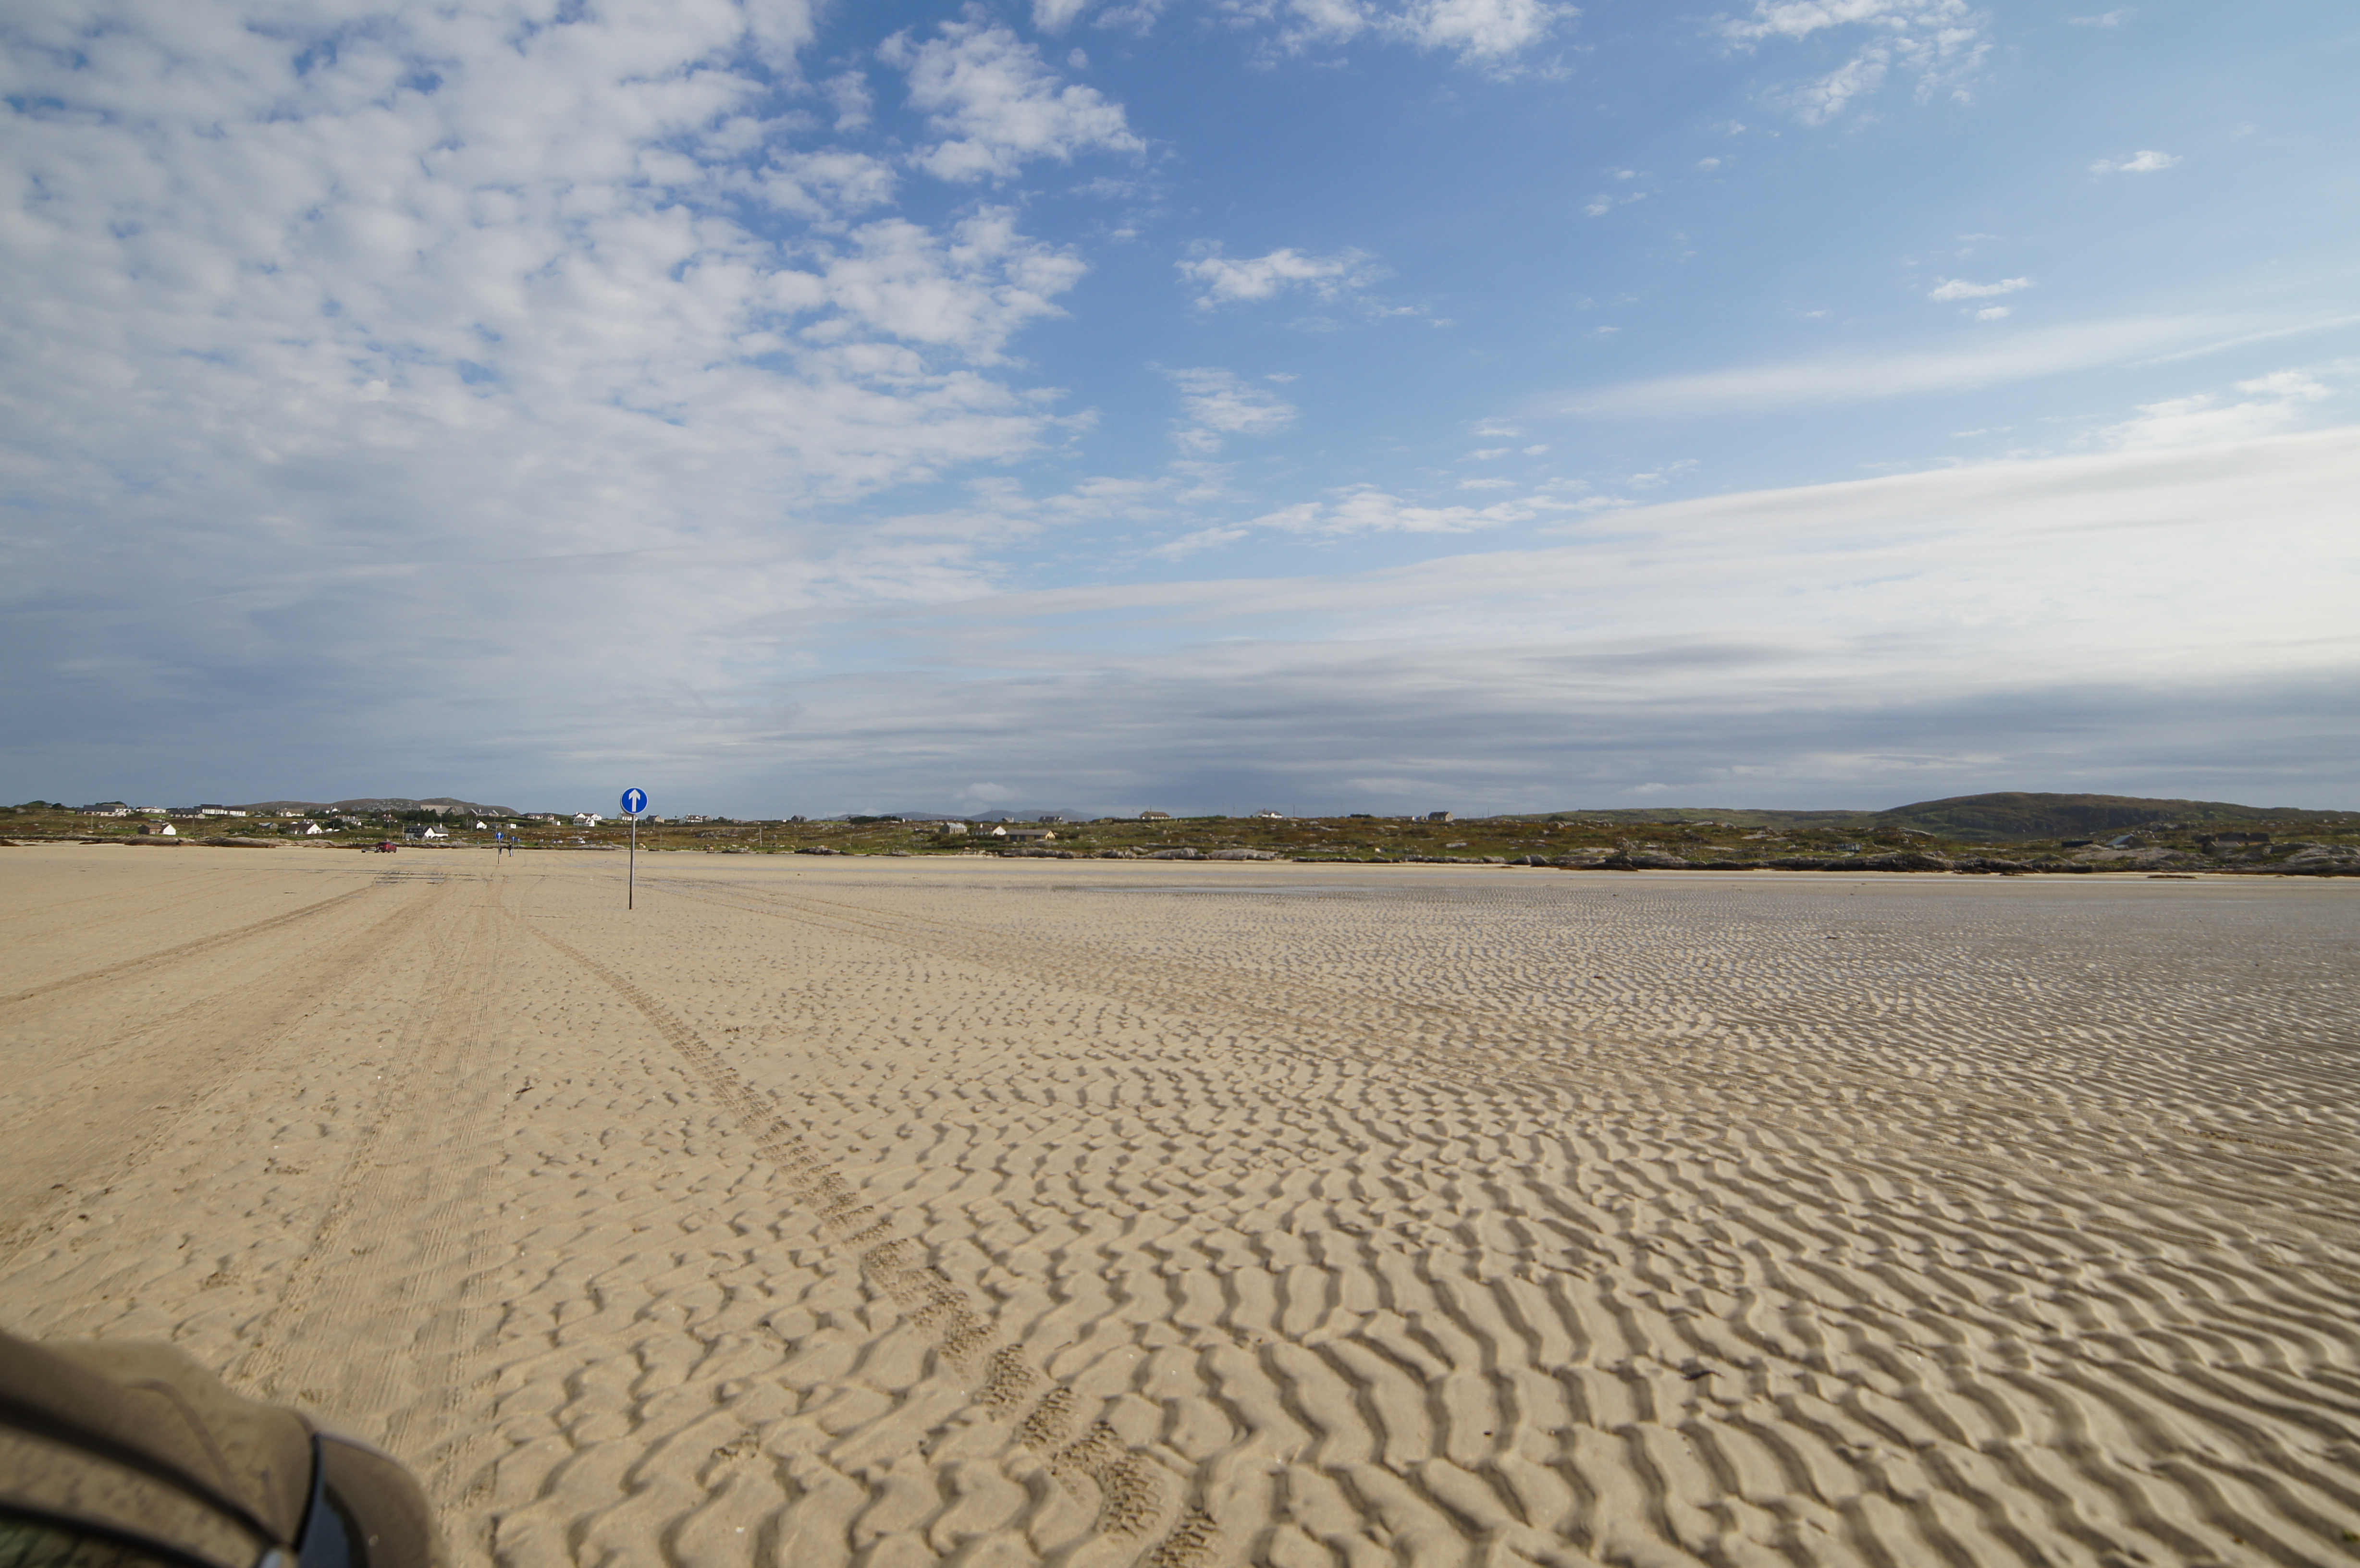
2005,817
2014,814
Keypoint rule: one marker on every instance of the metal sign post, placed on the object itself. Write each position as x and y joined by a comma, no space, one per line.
634,803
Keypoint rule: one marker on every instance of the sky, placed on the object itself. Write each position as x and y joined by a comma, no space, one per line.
1201,405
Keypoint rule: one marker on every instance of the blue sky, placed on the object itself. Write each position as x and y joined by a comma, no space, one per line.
1329,404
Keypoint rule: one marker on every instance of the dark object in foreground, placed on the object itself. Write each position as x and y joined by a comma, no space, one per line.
386,847
130,1455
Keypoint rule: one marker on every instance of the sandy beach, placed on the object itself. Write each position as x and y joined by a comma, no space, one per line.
836,1210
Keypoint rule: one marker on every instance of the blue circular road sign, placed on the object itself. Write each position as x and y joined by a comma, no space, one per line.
634,803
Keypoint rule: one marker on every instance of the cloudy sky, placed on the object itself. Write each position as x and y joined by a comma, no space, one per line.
1326,404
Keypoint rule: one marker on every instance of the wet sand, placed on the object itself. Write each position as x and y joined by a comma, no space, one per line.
894,1212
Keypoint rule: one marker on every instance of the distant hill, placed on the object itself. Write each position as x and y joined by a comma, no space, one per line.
2007,816
443,803
2015,815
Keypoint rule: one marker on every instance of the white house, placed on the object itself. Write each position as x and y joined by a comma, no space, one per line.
587,818
310,830
1154,816
1270,816
1028,835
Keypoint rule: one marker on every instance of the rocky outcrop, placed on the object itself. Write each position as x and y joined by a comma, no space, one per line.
2321,860
1244,854
1643,860
1171,854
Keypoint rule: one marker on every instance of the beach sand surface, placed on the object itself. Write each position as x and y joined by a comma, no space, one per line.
891,1212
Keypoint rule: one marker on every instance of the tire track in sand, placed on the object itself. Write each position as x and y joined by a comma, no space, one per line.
420,1192
175,955
52,1161
1002,1377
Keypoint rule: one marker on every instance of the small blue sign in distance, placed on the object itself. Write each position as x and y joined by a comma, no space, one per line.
634,803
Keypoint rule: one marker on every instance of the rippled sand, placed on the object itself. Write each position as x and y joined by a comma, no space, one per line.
900,1212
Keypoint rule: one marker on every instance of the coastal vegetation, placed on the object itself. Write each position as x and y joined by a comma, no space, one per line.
1997,832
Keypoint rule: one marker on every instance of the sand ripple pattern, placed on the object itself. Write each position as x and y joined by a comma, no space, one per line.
1638,1226
900,1214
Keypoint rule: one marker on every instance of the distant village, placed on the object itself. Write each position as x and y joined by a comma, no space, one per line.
1993,834
430,821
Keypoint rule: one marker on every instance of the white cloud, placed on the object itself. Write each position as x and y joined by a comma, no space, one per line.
1056,16
1484,33
1960,288
968,290
1199,541
1658,478
779,30
2148,162
444,358
1801,18
999,106
1995,313
1982,362
1367,509
2282,400
1485,30
848,93
2104,19
832,183
1819,101
1872,642
1223,280
1214,404
1598,206
1941,41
